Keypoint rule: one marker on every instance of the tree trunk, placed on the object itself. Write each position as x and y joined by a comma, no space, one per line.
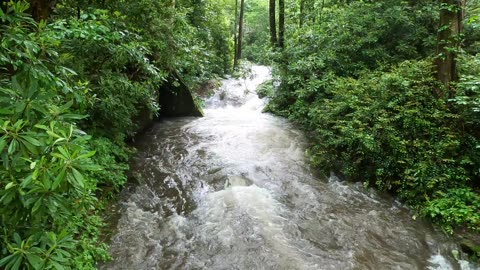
240,29
41,9
448,40
235,37
273,24
281,23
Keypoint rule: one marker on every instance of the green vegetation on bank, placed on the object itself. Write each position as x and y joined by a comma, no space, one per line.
74,80
388,91
359,77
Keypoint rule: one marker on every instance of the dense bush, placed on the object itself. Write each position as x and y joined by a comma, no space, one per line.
389,129
71,92
48,215
376,113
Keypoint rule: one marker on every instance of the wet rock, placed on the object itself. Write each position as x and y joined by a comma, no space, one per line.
205,89
237,181
470,247
214,170
176,99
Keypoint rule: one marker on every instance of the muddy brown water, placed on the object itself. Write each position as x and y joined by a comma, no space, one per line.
233,190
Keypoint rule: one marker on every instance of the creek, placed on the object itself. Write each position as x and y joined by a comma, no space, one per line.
234,190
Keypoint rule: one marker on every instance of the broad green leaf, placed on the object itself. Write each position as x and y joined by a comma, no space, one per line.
31,140
59,256
29,146
79,177
41,127
65,253
58,156
5,111
32,89
16,265
20,107
59,140
60,177
37,205
7,198
3,143
35,174
87,155
66,106
6,123
35,261
19,124
47,182
10,185
6,259
63,151
57,265
8,92
17,238
73,116
26,181
12,147
53,134
52,237
36,249
15,85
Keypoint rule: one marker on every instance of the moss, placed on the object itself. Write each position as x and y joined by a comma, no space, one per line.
471,248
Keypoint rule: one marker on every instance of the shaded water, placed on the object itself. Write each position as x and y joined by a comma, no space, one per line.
233,190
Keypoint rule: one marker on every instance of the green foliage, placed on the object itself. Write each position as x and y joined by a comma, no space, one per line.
468,95
459,206
95,68
396,116
114,158
266,89
256,42
40,251
114,63
47,176
376,113
359,36
189,37
426,156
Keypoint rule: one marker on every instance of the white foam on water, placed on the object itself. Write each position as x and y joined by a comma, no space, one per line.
223,214
439,262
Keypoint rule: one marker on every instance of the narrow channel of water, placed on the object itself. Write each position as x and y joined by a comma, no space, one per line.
233,190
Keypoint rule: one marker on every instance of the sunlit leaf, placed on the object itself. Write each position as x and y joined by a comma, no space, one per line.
10,185
78,177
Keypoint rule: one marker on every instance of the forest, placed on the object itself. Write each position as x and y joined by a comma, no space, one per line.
387,92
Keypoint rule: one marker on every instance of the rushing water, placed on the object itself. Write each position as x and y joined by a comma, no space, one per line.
233,190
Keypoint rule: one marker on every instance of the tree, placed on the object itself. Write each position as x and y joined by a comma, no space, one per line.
281,23
235,37
240,29
448,39
41,9
273,25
